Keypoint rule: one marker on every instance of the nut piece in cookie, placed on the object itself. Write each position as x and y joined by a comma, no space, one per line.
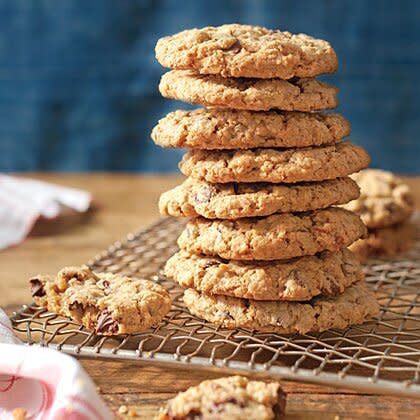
233,398
109,304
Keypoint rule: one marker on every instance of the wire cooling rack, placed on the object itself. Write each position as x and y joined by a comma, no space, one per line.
382,355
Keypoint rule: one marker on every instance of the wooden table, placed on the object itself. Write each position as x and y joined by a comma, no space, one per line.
126,203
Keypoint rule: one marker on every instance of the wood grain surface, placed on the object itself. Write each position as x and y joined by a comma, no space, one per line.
124,203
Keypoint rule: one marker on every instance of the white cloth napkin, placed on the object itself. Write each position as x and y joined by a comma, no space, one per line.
48,384
23,201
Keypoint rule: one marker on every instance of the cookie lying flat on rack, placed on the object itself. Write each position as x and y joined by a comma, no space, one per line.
384,199
246,51
234,129
275,237
233,398
232,201
328,273
354,306
107,303
251,94
275,165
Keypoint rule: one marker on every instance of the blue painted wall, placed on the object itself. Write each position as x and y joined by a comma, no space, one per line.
78,79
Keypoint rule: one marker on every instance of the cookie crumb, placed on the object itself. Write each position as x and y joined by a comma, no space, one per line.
123,409
132,413
19,413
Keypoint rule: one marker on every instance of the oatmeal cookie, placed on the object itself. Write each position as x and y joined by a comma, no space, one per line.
246,51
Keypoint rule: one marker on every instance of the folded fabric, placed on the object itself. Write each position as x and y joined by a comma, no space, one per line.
23,201
47,384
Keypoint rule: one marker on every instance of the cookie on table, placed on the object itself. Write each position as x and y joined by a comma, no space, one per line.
246,51
107,303
276,237
234,129
275,165
233,398
195,198
384,200
385,242
354,306
327,273
252,94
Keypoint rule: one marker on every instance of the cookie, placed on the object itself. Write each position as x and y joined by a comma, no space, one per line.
275,165
233,398
275,237
246,51
328,273
107,303
385,242
384,199
195,198
355,305
251,94
233,129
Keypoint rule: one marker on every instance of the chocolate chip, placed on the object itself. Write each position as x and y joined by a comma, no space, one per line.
219,406
280,407
105,323
75,306
335,288
391,207
192,415
209,263
105,283
298,277
37,288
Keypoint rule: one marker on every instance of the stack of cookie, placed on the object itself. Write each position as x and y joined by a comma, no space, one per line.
385,206
263,249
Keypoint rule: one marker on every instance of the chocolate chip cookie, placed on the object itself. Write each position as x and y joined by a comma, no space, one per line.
276,237
246,51
107,303
327,273
233,129
233,398
251,94
275,165
195,198
354,306
384,199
